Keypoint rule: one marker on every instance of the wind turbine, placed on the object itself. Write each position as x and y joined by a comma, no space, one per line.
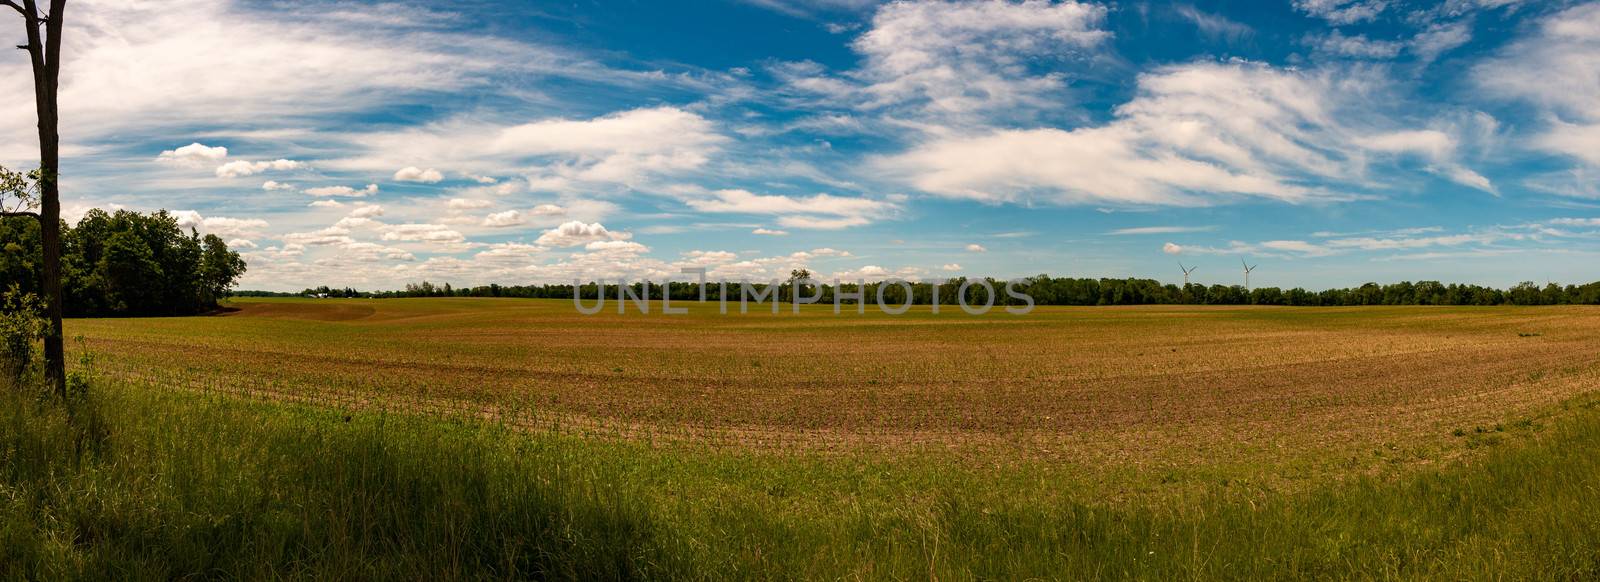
1247,268
1186,271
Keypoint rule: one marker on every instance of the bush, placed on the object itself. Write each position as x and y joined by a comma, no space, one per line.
20,329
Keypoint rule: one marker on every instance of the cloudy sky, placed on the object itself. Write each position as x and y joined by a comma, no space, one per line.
373,144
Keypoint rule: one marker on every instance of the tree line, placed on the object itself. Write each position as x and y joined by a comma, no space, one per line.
123,264
1045,290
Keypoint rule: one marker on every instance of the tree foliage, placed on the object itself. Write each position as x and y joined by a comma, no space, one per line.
125,263
1048,290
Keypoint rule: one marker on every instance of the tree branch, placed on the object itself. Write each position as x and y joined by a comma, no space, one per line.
34,215
14,6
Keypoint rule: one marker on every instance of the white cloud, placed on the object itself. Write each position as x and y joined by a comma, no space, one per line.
468,204
415,174
194,154
821,211
239,61
373,252
574,233
976,248
430,233
1407,239
1172,249
616,246
1160,230
275,186
326,204
1342,11
548,210
510,252
1554,68
1576,221
325,237
188,219
770,232
220,225
952,267
950,58
349,222
1440,38
235,227
503,219
367,211
1358,46
625,147
1214,26
240,243
1195,134
1437,147
345,191
241,168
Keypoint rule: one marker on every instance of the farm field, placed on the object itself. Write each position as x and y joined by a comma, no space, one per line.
1273,396
469,438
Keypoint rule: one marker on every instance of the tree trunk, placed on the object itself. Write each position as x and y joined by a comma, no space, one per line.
45,55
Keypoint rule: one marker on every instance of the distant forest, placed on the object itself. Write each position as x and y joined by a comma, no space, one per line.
123,263
1048,290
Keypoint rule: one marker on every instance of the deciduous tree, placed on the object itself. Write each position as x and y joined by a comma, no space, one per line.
43,31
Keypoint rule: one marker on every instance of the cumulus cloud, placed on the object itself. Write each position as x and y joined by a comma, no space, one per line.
236,227
952,267
367,211
976,248
429,233
242,168
616,246
1172,249
373,252
548,210
574,233
503,219
415,174
770,232
344,191
194,154
222,226
468,204
275,186
333,235
326,204
510,252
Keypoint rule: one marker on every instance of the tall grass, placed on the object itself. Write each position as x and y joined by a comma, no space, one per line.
139,483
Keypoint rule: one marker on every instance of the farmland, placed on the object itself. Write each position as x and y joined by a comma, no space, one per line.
1149,442
1278,393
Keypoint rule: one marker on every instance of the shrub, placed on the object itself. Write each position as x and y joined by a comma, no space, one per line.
20,329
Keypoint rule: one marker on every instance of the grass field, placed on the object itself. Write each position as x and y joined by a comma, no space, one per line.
458,437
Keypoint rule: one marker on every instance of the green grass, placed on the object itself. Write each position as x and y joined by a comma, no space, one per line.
144,483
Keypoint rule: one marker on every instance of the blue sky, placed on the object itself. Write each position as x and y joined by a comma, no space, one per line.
372,144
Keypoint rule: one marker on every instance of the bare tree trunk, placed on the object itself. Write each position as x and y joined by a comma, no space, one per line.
45,55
